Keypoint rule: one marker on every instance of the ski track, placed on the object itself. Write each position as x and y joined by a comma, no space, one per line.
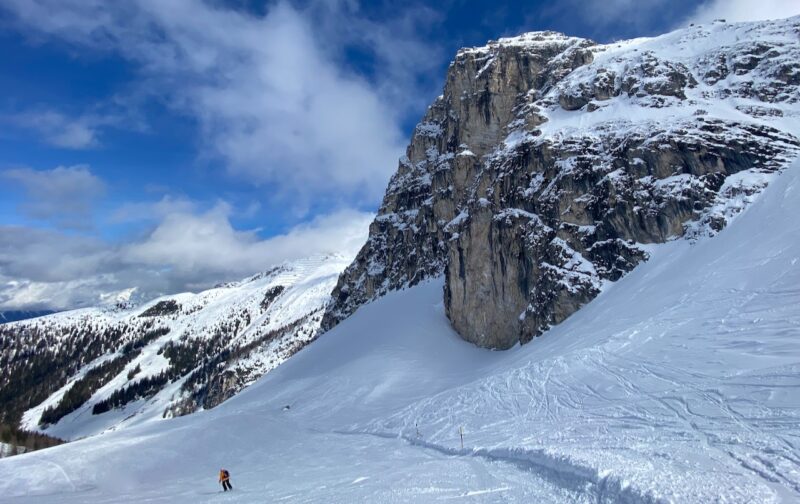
580,480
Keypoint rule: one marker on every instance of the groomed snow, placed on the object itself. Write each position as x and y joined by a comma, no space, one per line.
678,384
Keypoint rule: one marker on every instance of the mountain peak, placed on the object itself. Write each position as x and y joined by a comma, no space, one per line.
550,165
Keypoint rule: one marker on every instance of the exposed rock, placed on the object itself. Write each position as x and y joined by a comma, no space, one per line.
551,221
548,161
407,241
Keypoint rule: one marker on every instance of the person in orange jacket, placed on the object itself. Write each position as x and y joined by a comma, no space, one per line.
225,479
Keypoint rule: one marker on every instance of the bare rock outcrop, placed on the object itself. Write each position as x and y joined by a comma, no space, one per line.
549,165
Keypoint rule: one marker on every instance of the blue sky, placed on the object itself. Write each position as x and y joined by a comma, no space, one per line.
172,144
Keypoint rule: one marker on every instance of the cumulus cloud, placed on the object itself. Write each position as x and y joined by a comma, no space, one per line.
745,10
29,254
64,195
275,97
206,245
270,93
185,252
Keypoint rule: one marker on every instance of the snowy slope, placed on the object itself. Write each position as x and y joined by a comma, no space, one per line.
679,383
201,349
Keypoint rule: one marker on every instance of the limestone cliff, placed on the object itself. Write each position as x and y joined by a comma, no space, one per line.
549,163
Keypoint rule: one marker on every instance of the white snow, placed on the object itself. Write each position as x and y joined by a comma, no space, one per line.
308,283
431,130
679,383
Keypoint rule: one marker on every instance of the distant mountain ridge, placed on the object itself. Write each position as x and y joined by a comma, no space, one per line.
17,315
81,372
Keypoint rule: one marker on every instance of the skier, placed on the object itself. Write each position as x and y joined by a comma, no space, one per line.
225,479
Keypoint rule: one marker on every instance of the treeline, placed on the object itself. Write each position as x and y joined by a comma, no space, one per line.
270,296
39,369
206,384
142,389
37,358
25,441
183,356
83,389
162,308
149,336
40,359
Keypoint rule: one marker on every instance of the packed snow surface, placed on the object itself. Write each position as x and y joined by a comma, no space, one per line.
679,383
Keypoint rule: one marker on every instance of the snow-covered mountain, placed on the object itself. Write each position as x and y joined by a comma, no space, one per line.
678,384
82,372
551,164
544,193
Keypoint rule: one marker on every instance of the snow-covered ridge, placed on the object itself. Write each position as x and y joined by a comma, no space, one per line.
531,40
169,356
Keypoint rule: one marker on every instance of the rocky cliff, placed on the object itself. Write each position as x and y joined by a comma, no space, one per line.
550,164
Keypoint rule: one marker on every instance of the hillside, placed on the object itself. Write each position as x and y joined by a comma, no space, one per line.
82,372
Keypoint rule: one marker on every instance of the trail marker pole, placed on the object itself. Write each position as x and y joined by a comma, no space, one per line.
461,433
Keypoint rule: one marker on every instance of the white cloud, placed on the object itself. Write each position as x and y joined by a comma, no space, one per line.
745,10
274,96
185,252
271,94
152,210
64,195
29,295
60,131
206,245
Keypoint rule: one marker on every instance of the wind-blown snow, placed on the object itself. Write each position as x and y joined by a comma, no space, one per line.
679,383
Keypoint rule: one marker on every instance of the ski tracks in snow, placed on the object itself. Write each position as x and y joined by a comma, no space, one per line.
660,427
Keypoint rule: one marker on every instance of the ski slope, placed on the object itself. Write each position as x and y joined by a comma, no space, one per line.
679,383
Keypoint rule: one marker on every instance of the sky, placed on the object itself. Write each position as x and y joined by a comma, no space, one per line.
169,145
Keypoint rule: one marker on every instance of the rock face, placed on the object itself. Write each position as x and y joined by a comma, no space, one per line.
550,162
